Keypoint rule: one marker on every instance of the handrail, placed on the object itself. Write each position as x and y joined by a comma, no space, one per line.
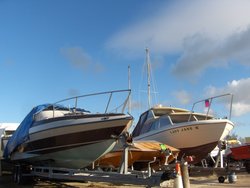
210,100
110,96
76,98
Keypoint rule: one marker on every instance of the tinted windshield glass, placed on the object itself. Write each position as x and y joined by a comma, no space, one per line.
155,125
164,121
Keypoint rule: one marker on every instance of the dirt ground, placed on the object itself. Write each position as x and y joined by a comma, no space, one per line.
212,181
204,181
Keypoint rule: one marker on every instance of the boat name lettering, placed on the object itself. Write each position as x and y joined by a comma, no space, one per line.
174,131
183,129
186,129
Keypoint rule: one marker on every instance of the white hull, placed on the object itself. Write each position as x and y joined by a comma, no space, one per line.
72,126
68,137
190,134
196,138
72,158
74,145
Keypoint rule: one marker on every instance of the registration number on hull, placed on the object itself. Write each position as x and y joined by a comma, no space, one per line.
184,129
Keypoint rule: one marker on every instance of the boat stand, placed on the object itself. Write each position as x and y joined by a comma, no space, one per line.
95,176
124,175
23,174
149,178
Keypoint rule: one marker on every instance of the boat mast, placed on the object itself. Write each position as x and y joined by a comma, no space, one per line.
129,87
148,75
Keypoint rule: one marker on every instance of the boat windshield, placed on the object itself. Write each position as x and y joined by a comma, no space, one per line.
155,124
163,121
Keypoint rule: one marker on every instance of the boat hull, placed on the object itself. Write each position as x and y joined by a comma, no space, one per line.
140,153
75,158
71,143
240,152
196,138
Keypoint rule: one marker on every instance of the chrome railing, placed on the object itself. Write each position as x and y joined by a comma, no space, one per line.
76,99
124,104
208,102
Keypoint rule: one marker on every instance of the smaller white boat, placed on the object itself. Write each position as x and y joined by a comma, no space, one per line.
70,137
194,134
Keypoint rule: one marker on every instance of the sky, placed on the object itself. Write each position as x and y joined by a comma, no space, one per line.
51,50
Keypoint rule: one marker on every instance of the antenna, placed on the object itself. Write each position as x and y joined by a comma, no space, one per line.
129,87
148,75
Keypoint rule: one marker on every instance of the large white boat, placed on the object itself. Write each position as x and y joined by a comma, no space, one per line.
194,134
69,137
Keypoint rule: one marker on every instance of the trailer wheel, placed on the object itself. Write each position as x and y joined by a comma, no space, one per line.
221,179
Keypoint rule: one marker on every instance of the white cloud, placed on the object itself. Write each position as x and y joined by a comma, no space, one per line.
80,59
240,109
240,89
202,32
77,57
182,96
73,92
201,53
172,23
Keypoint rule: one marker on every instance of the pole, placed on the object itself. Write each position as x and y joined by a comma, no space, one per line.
148,75
129,87
0,167
124,161
185,175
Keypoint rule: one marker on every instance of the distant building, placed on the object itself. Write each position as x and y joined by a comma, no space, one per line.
9,126
6,130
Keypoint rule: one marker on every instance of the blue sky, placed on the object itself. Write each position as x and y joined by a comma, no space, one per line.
51,50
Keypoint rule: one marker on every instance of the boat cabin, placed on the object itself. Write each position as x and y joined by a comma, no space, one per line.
158,117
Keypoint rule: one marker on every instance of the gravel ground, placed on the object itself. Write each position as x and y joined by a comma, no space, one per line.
212,181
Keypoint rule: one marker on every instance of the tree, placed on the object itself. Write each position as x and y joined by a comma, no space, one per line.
234,136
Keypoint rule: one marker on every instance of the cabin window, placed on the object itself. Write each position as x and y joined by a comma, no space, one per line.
155,125
165,121
195,118
143,118
146,127
145,122
150,114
